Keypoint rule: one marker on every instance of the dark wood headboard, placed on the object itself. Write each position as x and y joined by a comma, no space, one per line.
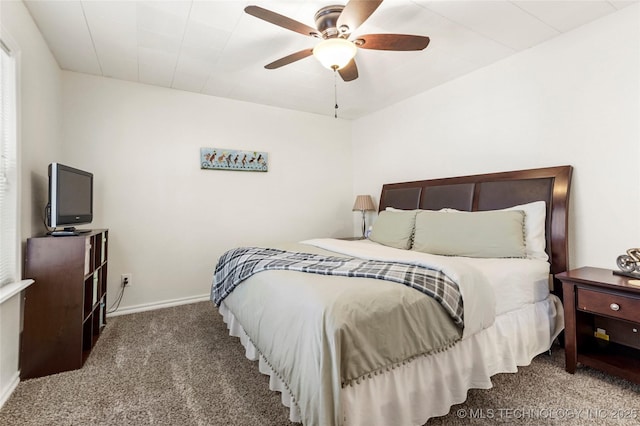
496,191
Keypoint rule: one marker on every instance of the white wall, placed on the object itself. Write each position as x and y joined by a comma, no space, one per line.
169,220
573,100
38,133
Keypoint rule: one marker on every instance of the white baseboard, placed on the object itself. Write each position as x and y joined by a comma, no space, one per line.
159,305
8,390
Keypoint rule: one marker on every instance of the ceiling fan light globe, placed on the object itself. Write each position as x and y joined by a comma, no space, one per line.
335,53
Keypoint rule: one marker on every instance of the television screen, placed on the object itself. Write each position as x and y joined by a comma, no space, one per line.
70,196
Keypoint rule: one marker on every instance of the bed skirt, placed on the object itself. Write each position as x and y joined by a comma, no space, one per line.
430,385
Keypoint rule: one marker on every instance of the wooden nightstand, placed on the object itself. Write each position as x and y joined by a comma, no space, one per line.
596,300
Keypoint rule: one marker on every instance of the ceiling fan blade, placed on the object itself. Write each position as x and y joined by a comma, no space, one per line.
289,59
392,42
349,72
281,20
356,12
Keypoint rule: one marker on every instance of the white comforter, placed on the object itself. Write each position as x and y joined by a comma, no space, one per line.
519,282
295,320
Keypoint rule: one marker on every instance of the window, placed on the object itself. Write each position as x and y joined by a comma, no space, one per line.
8,169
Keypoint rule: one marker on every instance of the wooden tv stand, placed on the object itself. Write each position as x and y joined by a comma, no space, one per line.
65,308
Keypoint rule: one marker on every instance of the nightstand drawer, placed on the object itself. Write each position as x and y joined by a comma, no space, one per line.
609,304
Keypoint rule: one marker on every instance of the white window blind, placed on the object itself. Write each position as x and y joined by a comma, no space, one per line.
8,169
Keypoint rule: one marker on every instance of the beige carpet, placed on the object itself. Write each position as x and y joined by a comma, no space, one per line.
178,366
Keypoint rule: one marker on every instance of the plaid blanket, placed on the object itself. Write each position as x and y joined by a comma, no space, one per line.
238,264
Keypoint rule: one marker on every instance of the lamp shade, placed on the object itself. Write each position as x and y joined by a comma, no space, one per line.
363,203
335,53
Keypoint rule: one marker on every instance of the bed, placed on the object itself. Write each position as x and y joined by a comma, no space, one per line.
345,347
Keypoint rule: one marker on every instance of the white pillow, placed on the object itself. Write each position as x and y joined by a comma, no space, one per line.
534,229
393,209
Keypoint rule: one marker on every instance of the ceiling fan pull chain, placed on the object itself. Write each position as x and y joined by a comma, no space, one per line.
335,91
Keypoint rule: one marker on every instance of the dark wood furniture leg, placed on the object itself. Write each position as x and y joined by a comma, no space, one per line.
570,344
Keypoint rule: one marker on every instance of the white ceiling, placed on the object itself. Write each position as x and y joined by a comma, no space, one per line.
214,48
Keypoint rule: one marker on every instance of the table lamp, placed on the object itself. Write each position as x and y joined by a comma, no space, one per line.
363,203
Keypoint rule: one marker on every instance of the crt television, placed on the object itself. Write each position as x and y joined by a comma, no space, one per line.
70,197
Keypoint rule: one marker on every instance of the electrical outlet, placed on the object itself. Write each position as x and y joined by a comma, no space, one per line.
125,280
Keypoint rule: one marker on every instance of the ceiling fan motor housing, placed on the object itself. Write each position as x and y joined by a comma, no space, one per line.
327,20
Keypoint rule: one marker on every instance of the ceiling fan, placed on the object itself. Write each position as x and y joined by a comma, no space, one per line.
335,25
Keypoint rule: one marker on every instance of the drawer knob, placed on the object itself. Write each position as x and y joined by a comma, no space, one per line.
614,307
